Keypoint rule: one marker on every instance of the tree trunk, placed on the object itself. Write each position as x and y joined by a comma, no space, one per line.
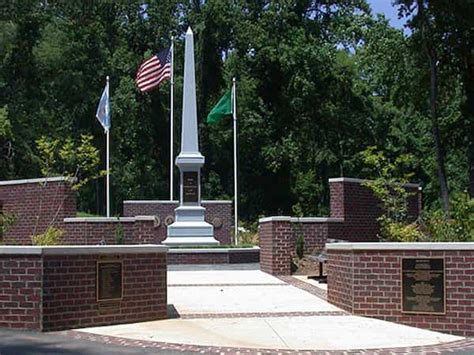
433,59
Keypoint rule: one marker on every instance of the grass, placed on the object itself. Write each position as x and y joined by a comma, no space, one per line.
86,214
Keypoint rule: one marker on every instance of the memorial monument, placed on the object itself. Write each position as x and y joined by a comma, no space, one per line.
189,227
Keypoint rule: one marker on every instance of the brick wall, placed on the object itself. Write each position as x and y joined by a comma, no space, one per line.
92,231
219,256
368,283
20,291
275,247
163,209
35,204
354,213
356,204
70,298
52,292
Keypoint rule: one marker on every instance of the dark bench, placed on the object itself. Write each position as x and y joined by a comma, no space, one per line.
322,259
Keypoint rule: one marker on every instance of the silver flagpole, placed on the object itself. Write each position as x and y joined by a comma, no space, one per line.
107,164
172,120
234,114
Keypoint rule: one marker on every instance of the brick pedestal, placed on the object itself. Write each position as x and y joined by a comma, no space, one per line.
54,288
365,279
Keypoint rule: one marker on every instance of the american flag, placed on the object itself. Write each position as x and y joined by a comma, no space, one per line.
154,70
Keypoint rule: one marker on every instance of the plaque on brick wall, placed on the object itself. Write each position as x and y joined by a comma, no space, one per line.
109,280
190,186
423,286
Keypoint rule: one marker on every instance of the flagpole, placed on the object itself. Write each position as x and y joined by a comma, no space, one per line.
234,115
172,120
107,166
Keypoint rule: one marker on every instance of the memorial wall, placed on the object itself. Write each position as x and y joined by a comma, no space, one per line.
426,285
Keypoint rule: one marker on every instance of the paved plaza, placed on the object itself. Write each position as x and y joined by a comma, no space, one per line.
225,308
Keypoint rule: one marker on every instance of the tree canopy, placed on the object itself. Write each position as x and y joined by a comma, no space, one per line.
318,81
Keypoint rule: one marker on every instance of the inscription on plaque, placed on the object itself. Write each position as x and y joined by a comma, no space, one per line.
423,288
109,280
190,186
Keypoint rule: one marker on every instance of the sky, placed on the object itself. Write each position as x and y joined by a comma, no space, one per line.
385,7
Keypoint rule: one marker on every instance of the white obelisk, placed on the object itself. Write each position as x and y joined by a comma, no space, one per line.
189,227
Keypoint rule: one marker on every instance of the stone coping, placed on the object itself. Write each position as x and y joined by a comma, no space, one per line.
301,219
108,219
83,249
35,181
164,202
212,250
400,246
359,181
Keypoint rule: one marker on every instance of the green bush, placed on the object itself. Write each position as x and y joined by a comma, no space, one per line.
300,246
459,227
400,232
119,236
51,236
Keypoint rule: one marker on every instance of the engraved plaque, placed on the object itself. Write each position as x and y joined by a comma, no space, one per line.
109,280
423,288
190,186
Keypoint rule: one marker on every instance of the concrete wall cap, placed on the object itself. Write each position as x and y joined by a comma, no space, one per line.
301,219
164,202
36,181
83,249
212,250
101,219
359,181
400,246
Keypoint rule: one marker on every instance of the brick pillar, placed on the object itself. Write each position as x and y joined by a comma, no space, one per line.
275,235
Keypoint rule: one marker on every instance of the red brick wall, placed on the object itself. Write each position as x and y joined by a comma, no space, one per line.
375,280
91,233
70,299
221,210
360,209
354,213
35,206
20,291
276,241
201,257
59,292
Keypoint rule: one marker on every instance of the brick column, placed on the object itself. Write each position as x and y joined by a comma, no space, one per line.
275,235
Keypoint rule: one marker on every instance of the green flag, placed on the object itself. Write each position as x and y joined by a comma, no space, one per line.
223,108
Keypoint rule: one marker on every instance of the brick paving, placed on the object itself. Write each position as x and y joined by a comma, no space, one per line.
314,290
465,345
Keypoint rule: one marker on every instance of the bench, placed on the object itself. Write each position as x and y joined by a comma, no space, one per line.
322,258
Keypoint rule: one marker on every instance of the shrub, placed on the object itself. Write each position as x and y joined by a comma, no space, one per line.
300,246
119,237
459,227
400,232
51,236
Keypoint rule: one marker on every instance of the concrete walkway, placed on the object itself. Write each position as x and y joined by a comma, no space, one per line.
242,307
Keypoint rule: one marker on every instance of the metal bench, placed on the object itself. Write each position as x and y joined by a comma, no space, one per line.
322,259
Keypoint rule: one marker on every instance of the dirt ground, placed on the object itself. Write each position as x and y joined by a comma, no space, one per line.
305,266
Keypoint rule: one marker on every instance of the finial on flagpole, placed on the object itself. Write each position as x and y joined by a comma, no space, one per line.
108,78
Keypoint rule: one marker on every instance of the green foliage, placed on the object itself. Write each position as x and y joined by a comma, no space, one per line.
459,227
6,220
299,245
52,236
78,161
388,186
248,233
316,82
119,235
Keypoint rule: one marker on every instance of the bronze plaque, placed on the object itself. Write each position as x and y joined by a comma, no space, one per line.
190,186
109,280
423,289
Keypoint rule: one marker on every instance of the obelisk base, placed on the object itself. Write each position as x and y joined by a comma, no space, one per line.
190,233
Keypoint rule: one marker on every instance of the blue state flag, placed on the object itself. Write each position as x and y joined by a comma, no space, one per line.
103,110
